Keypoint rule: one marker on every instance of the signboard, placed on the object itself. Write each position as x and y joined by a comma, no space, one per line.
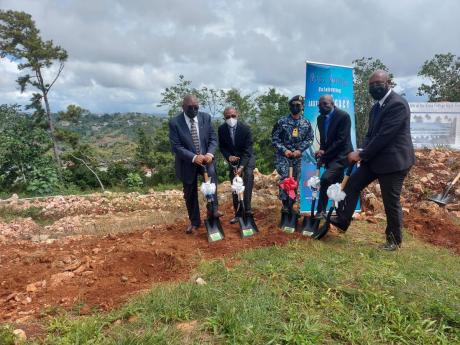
324,79
435,124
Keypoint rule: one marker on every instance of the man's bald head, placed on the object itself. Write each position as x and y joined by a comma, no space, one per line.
189,100
379,76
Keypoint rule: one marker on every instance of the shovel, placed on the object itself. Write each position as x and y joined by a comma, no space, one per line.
212,223
246,221
310,224
444,198
324,225
288,221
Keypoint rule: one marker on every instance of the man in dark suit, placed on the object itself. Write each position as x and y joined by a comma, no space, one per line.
334,127
387,155
235,143
193,141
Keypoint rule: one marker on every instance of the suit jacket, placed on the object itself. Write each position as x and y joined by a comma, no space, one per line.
243,144
182,144
387,146
338,142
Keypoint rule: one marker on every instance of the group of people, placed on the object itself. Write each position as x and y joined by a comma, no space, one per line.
386,155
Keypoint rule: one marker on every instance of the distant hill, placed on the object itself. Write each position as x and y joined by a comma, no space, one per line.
113,136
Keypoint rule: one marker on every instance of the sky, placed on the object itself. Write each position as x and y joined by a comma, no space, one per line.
124,53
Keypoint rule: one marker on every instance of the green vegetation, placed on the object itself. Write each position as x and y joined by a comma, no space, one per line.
341,291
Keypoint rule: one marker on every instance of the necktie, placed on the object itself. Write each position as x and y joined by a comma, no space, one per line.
232,134
194,133
376,113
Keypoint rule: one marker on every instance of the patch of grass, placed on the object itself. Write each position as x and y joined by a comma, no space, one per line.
6,335
8,214
339,291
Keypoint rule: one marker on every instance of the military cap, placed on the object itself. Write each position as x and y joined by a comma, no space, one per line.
297,98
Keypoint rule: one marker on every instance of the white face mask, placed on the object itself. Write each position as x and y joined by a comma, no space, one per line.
231,121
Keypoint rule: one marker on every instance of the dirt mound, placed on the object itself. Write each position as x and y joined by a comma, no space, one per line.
104,271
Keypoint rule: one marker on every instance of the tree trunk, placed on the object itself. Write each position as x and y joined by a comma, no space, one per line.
50,124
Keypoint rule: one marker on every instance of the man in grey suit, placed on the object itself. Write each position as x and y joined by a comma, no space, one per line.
193,141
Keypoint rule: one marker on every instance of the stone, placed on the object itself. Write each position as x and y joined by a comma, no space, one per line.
124,279
20,334
200,281
59,278
417,188
31,287
96,250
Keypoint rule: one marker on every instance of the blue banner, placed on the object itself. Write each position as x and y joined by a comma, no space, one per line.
322,79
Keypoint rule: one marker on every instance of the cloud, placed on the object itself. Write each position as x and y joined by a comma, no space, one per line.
123,54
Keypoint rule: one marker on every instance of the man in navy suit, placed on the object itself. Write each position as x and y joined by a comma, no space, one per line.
334,126
235,143
387,155
193,141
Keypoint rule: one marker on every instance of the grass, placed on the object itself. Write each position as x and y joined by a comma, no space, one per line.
8,214
341,291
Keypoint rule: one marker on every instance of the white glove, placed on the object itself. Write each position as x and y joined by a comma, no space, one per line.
314,182
237,185
208,188
335,192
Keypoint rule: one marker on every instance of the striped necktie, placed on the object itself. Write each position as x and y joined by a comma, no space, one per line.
194,133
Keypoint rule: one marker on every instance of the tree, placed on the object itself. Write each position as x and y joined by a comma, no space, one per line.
270,107
24,162
444,72
20,40
244,104
363,68
174,95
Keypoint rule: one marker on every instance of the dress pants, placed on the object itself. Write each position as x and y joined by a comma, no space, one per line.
333,174
248,180
191,194
390,185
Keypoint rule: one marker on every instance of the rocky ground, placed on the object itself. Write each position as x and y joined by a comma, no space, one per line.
95,251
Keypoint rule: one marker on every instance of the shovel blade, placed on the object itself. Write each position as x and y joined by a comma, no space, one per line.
288,221
441,199
214,229
310,226
248,226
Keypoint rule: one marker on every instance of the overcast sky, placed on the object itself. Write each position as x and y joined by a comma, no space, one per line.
122,54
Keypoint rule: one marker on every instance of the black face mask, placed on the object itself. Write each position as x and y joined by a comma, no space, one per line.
191,111
324,110
378,91
295,109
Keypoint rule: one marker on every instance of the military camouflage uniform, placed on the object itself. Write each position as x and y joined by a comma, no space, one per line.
290,134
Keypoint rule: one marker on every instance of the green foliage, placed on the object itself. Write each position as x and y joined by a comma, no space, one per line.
43,179
173,96
363,68
271,106
23,151
20,39
443,70
134,180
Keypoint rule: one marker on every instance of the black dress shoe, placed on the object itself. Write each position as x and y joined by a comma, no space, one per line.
190,229
335,220
389,246
234,220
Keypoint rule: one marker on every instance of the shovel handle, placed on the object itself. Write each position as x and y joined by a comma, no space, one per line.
455,179
347,175
205,174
